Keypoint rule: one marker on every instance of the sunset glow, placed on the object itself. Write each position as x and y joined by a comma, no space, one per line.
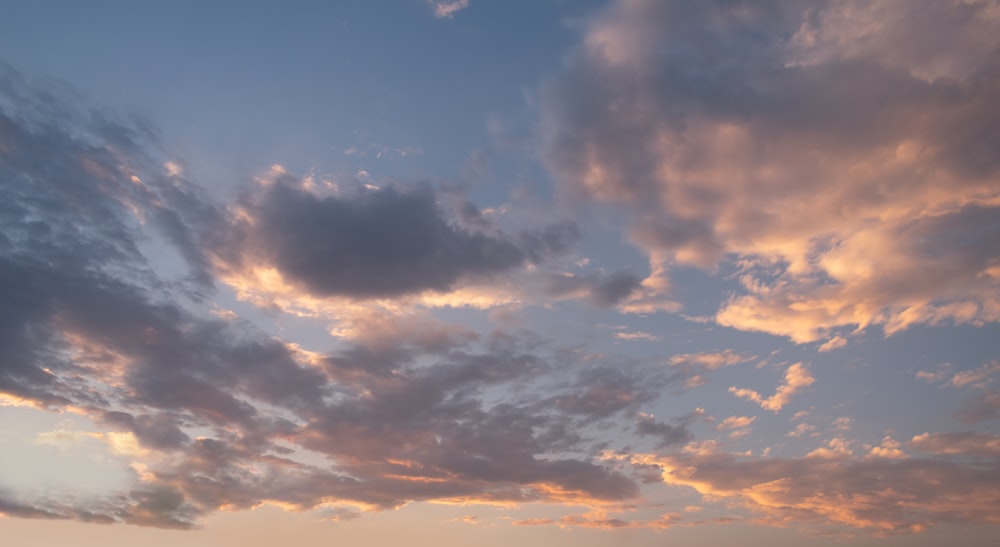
481,272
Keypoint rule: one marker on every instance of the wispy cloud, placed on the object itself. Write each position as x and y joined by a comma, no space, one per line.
96,328
637,335
965,443
808,174
710,360
447,8
885,495
736,422
797,377
978,377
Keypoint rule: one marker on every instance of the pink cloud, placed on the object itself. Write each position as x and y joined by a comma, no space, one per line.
797,377
881,494
447,8
842,207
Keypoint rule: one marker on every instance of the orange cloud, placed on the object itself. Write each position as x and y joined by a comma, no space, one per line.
736,422
710,360
841,207
881,494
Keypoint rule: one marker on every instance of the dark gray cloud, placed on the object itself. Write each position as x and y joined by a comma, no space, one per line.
666,434
436,418
602,392
86,320
377,242
601,289
159,431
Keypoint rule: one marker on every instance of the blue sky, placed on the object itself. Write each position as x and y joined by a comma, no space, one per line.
474,271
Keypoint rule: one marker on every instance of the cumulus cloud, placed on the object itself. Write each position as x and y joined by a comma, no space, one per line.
837,155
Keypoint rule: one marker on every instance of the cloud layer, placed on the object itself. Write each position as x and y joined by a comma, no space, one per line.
836,156
837,488
831,163
212,412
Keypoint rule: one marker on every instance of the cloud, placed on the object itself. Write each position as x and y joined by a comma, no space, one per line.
374,243
736,422
601,289
942,372
447,8
836,342
601,520
965,443
728,134
107,261
797,377
637,335
889,448
982,407
802,429
668,434
710,360
977,378
696,365
836,489
602,392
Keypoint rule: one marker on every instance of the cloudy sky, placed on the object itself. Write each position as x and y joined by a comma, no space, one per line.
476,272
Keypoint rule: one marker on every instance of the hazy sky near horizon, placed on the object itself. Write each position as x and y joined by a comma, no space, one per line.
484,272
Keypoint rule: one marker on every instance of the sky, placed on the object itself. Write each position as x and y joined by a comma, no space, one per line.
472,272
